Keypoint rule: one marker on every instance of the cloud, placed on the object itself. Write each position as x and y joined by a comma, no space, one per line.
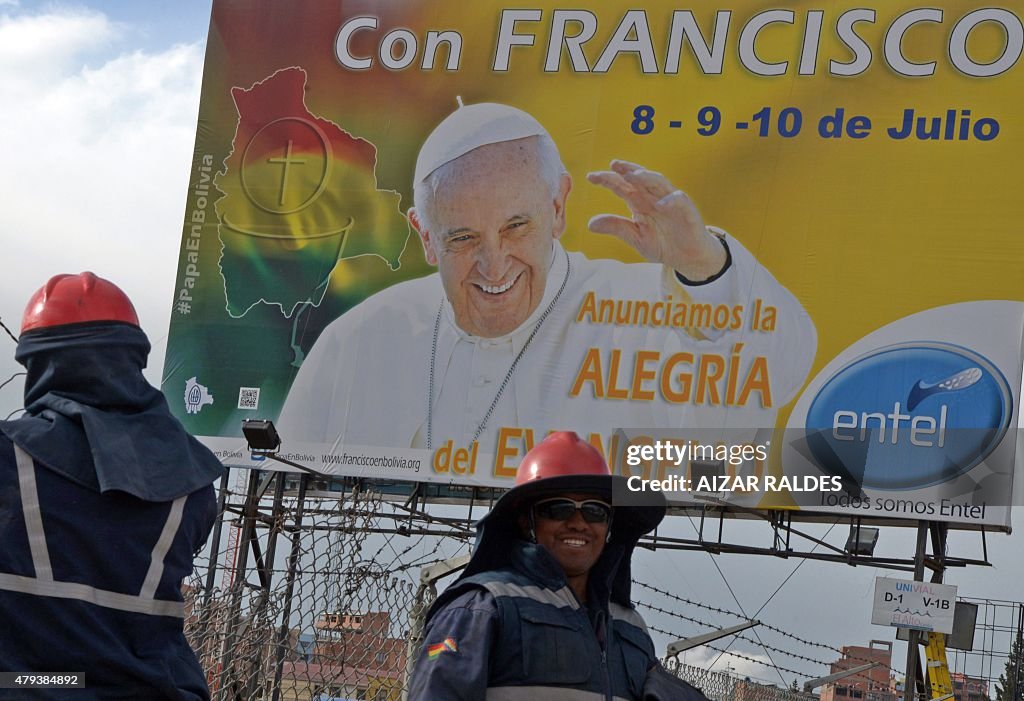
45,45
760,670
97,146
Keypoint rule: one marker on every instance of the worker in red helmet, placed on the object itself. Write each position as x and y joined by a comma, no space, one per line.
104,501
543,609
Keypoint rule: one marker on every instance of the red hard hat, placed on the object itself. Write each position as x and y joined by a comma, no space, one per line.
561,454
69,299
564,464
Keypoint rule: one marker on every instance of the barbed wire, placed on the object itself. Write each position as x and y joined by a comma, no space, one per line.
740,636
420,561
769,665
735,598
764,625
722,686
300,628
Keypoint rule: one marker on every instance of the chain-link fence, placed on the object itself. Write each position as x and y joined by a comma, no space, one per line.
719,686
309,591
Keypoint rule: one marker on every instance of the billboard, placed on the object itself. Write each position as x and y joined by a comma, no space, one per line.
419,236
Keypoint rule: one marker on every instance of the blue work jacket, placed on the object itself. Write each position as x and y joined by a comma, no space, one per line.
520,632
90,584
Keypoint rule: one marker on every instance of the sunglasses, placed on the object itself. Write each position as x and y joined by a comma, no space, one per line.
563,509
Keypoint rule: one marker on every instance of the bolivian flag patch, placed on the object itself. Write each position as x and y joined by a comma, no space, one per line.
447,646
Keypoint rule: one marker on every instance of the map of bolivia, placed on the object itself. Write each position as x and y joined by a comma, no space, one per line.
299,194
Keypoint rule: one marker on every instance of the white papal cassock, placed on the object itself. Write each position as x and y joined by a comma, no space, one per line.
366,381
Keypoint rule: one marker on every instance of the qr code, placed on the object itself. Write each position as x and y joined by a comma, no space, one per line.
249,398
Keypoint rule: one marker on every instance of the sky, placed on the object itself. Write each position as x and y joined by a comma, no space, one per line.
97,128
99,117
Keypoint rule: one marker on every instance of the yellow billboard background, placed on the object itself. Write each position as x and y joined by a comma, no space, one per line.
863,231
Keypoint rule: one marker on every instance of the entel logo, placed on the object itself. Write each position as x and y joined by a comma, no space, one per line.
909,415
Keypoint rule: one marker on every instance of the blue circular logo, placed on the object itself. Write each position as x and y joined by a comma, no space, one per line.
909,416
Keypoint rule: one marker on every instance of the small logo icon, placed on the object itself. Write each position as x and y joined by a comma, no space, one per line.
953,383
196,396
909,415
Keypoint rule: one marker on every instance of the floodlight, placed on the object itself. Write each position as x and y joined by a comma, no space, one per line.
263,441
261,435
862,540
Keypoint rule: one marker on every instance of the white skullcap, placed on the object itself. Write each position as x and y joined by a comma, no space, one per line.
470,127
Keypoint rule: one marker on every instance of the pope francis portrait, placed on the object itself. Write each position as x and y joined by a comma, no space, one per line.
514,332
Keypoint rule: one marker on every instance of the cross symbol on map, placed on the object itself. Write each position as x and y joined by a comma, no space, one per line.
286,161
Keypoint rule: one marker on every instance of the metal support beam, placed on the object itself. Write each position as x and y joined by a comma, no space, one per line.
218,526
440,570
696,641
428,577
910,683
812,684
235,626
293,564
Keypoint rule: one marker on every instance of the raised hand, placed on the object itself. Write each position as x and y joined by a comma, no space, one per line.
665,226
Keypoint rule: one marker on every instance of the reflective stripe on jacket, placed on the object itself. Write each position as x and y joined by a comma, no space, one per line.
520,633
90,583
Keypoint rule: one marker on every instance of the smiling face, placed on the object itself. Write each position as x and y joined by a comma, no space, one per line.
488,226
575,544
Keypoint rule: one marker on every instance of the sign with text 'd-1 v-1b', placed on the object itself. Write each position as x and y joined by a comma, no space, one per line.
920,605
